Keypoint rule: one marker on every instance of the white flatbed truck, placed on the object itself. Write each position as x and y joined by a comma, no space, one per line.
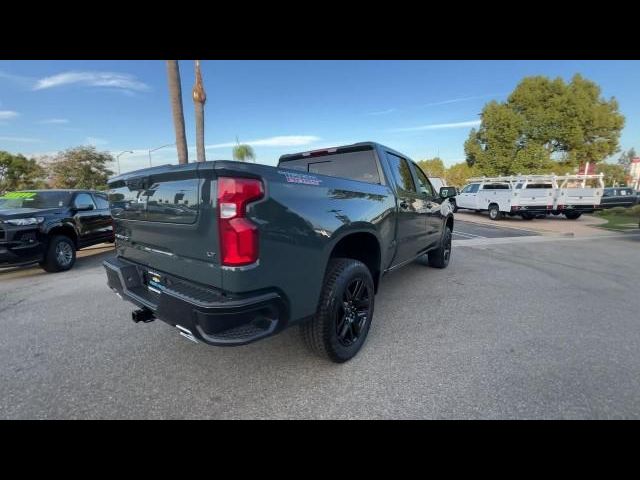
532,195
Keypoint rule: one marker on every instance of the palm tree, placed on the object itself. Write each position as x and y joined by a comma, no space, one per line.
243,152
199,97
175,95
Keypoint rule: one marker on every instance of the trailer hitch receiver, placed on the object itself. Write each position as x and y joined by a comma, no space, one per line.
142,315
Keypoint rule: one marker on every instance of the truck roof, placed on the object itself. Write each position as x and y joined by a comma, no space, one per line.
354,146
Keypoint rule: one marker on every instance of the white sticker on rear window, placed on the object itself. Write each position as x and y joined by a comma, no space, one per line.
292,177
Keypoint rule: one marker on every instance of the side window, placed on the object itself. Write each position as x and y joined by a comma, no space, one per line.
424,186
519,186
473,188
83,199
101,202
401,173
496,186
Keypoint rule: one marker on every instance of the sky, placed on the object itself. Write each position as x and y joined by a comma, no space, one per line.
421,108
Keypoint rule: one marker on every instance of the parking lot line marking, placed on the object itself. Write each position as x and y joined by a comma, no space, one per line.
468,235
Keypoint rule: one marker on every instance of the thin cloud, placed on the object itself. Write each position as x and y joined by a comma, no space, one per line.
461,99
8,114
279,141
382,112
441,102
20,139
438,126
54,121
120,81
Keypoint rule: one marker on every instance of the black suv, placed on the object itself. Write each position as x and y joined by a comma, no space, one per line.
48,226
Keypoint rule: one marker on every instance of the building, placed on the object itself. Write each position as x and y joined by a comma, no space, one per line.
634,172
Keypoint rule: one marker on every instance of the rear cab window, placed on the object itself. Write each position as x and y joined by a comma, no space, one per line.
173,201
354,164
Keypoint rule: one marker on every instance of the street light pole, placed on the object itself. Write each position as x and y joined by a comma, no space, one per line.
158,148
118,158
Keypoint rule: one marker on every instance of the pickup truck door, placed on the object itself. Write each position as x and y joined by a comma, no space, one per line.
462,199
433,206
104,222
87,220
411,227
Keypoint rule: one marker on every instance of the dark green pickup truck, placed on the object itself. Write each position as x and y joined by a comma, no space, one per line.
231,252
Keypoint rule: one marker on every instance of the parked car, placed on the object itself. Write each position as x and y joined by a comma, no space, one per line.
619,197
48,226
261,248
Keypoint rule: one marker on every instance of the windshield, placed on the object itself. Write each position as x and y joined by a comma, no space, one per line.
34,199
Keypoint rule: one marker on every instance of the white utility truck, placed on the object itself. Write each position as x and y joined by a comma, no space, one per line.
532,195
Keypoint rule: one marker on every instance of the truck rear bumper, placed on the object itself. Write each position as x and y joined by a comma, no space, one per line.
212,316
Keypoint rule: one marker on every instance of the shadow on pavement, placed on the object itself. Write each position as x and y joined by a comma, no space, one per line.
89,257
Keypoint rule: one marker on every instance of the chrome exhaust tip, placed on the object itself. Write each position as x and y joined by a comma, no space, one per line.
186,333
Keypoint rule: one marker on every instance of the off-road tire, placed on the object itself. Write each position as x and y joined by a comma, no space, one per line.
439,258
52,261
320,333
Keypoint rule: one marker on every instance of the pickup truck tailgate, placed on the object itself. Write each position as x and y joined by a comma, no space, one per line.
165,220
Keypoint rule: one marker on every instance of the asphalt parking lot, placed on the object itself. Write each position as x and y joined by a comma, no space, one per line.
466,230
515,330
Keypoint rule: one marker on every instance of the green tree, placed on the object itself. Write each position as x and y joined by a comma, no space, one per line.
18,172
545,124
433,167
243,152
614,175
625,158
81,167
458,174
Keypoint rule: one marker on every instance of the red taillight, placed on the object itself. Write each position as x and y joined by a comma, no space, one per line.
238,235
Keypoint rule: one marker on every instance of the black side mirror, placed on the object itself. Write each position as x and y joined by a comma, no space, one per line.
447,192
